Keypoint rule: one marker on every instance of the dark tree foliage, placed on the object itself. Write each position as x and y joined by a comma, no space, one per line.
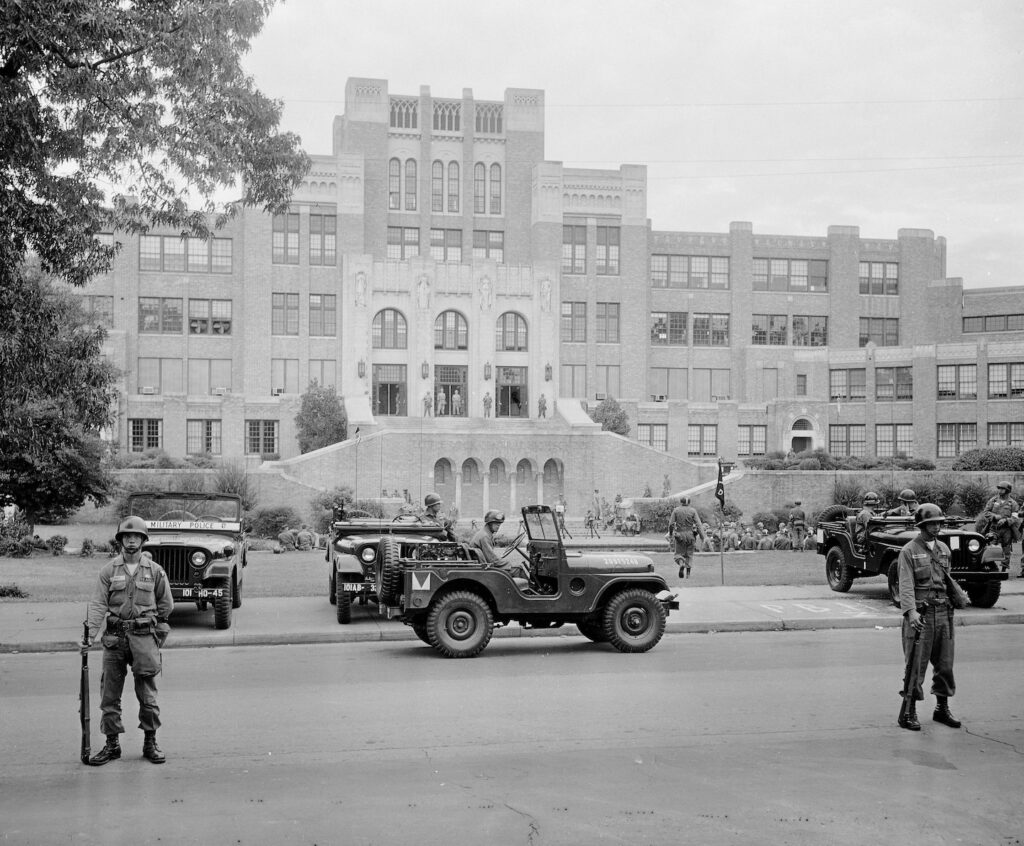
321,420
1006,459
611,417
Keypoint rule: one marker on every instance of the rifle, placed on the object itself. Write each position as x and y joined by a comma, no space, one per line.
910,677
83,700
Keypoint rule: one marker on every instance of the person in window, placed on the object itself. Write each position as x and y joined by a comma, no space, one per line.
456,403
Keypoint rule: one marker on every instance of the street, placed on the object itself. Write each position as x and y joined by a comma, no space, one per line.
779,737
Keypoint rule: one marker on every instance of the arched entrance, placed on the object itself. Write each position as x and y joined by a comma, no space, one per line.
801,436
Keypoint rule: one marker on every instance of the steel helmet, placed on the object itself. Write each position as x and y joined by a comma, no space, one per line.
132,526
432,498
493,516
907,495
928,512
1004,486
871,498
684,500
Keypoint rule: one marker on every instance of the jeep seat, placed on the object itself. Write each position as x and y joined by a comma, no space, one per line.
606,564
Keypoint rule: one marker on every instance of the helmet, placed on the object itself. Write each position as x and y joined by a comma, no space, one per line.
928,512
1004,486
684,500
907,495
432,499
871,498
132,526
493,516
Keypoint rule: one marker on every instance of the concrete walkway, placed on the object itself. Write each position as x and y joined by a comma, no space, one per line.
57,626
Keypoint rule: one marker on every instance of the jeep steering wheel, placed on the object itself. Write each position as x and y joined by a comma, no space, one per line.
177,514
406,518
514,547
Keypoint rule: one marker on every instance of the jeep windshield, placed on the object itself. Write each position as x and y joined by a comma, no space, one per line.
194,512
540,523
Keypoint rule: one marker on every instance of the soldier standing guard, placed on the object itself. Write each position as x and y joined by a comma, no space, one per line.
487,404
798,524
1002,516
928,596
134,599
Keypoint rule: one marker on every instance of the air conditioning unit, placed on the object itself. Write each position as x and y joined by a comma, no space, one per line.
660,397
278,391
219,392
147,389
599,396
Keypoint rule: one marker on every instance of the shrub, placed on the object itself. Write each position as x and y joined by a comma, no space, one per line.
232,478
809,464
24,547
8,547
13,592
1006,459
88,548
769,518
16,526
191,483
973,496
56,544
134,484
270,522
847,492
655,514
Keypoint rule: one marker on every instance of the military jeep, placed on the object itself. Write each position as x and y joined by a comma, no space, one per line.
976,563
198,539
453,600
352,553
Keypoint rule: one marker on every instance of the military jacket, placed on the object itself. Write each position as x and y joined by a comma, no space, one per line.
922,573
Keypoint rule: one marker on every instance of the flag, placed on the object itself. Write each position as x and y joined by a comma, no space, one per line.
720,487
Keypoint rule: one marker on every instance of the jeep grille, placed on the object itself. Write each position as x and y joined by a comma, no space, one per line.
174,560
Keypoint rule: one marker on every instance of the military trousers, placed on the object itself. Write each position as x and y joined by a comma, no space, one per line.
935,648
117,657
684,544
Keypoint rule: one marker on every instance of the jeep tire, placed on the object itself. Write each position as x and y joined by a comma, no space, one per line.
236,591
343,603
222,606
421,632
389,570
983,594
460,624
634,620
893,577
837,570
592,630
332,596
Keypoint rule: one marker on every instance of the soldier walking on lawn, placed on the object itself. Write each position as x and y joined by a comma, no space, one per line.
132,601
683,525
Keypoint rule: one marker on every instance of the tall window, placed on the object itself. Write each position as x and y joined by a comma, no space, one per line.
437,187
389,391
847,385
209,376
955,438
453,187
1005,381
451,332
403,242
285,242
1006,435
893,439
479,188
768,330
702,439
607,331
671,271
884,331
653,435
810,330
323,315
495,192
894,383
489,118
284,314
203,437
209,317
160,314
404,113
664,383
790,275
958,381
284,376
450,383
711,330
488,244
261,437
801,384
608,238
323,371
574,322
711,384
607,378
389,330
847,440
98,310
394,184
511,332
411,188
573,380
668,328
574,249
145,433
447,116
446,245
751,440
159,375
878,277
323,239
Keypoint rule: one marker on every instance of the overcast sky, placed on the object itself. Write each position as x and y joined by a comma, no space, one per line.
793,115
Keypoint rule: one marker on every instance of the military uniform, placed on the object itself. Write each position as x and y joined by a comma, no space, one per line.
798,520
683,525
1004,522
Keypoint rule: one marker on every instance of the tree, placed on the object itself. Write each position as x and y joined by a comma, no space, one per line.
611,417
321,420
57,395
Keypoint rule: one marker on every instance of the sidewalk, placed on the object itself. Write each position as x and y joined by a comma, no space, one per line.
57,626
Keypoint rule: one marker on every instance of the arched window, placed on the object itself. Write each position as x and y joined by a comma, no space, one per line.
451,332
470,472
389,330
479,188
523,472
511,332
802,425
495,189
394,184
442,471
497,471
410,184
552,472
453,186
437,187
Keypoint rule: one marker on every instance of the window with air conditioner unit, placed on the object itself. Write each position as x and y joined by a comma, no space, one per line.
219,392
147,389
659,398
278,391
599,396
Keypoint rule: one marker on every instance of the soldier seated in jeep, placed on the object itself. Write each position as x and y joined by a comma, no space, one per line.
483,544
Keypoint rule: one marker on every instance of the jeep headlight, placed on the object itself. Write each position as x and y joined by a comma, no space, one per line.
198,558
973,545
368,554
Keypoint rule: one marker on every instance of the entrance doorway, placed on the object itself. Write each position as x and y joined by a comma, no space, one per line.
513,399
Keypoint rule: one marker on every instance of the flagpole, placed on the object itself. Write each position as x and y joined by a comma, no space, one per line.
720,496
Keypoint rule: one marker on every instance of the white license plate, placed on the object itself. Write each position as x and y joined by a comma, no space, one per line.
353,587
202,593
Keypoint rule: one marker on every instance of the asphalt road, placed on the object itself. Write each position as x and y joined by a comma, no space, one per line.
785,737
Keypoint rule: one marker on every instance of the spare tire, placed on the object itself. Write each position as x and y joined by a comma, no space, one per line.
836,512
389,570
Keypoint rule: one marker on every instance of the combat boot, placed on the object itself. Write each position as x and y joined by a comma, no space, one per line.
909,720
150,750
110,752
942,713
